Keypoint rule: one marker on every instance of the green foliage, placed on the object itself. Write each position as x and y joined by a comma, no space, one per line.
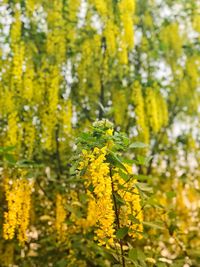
66,64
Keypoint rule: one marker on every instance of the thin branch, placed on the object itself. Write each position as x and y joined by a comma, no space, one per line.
117,218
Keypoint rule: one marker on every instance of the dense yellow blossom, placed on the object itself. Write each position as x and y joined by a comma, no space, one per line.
72,10
101,211
67,117
16,27
120,106
163,116
49,117
138,100
17,62
7,254
196,22
132,207
123,51
55,45
172,41
30,5
12,128
18,197
110,35
97,174
156,109
148,20
91,217
127,9
61,213
192,70
29,138
28,85
101,7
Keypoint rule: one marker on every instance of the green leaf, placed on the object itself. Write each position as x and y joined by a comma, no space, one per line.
83,171
10,159
141,177
113,159
132,254
122,232
171,194
144,187
153,225
124,176
6,148
91,187
172,214
143,160
138,145
133,219
61,263
119,199
141,255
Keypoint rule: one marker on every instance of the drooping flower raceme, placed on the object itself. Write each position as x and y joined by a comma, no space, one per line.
103,182
16,218
100,199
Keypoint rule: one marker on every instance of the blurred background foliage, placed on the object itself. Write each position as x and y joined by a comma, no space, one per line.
66,63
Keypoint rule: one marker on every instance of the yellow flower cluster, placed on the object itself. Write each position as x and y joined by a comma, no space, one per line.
192,70
196,21
163,116
28,86
110,35
7,103
18,197
100,200
61,213
187,203
66,117
7,253
172,41
119,100
127,10
12,128
15,32
101,7
91,217
132,207
88,69
49,113
56,45
30,6
138,100
101,185
152,109
156,109
17,62
73,261
72,10
123,52
29,136
118,31
17,46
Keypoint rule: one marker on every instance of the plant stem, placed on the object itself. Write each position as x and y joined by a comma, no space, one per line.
117,218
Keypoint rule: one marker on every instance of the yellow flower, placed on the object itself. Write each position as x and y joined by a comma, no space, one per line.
18,197
132,206
139,108
100,211
61,213
100,208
